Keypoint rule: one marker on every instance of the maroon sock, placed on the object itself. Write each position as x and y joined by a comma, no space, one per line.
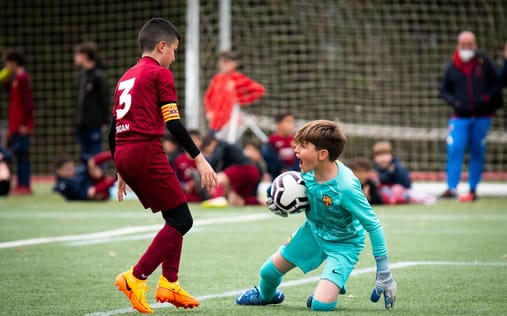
102,157
171,263
166,243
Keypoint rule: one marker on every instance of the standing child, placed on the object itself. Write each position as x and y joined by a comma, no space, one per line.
92,99
227,88
145,100
21,110
334,230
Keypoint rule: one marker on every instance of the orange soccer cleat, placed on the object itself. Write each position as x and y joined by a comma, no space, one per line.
135,290
172,292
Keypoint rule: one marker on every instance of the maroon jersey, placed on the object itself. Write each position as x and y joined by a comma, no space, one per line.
21,106
145,98
283,148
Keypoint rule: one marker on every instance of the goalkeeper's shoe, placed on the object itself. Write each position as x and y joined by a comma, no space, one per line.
172,292
253,297
135,290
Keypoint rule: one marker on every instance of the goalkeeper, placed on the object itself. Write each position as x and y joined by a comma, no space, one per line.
334,231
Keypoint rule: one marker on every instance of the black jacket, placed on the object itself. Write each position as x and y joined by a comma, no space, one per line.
472,94
396,173
93,105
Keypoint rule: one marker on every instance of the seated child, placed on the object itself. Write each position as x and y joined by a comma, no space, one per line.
394,178
278,152
253,151
237,174
84,182
5,174
171,148
363,170
186,171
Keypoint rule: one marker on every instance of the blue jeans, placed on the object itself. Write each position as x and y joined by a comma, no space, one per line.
90,140
21,149
466,133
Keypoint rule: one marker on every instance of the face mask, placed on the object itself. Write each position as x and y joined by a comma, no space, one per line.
466,55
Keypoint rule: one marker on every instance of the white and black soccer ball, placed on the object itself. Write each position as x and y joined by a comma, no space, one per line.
288,192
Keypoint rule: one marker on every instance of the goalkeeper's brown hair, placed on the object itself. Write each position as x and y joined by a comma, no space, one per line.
323,134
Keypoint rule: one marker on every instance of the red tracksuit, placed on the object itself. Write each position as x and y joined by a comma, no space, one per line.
21,105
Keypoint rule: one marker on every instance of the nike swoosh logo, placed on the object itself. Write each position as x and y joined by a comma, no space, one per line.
127,284
336,271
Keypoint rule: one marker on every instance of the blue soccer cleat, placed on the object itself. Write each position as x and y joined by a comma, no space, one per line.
253,297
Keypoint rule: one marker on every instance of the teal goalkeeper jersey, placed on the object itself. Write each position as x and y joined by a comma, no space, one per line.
340,212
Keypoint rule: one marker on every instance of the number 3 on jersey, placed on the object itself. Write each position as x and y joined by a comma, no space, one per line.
125,97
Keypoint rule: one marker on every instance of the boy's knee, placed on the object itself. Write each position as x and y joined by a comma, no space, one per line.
269,271
322,307
179,218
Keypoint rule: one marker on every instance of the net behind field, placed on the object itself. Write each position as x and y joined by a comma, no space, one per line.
375,65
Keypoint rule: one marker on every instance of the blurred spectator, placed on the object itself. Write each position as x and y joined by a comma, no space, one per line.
84,182
5,173
389,169
469,88
278,152
187,173
503,81
253,151
394,178
21,115
237,175
227,88
363,170
171,148
93,105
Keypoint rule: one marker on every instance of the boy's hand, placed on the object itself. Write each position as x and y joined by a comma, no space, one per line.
271,205
208,176
385,283
122,188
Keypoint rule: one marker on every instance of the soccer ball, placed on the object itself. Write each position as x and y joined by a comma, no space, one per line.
288,192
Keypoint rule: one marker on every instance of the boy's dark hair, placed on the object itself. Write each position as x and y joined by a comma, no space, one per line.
62,160
228,55
154,31
282,116
207,140
362,163
14,55
89,49
323,134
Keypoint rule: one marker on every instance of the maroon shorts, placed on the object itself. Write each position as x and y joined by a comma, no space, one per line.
244,180
146,170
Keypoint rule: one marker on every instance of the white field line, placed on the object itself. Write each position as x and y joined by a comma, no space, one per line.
128,231
397,265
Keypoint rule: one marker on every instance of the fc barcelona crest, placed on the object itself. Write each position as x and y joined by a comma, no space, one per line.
327,200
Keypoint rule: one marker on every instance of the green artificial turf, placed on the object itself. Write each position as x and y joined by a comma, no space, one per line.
71,278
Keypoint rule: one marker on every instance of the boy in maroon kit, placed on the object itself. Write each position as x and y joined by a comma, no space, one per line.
278,152
21,110
145,101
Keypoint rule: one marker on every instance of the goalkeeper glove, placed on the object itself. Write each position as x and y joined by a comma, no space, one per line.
271,205
384,284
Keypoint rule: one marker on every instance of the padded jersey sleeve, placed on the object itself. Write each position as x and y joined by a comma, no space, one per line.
356,203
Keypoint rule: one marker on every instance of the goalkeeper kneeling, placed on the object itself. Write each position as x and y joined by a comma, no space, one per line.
337,217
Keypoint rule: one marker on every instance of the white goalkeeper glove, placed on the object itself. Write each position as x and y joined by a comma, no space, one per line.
271,205
384,284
